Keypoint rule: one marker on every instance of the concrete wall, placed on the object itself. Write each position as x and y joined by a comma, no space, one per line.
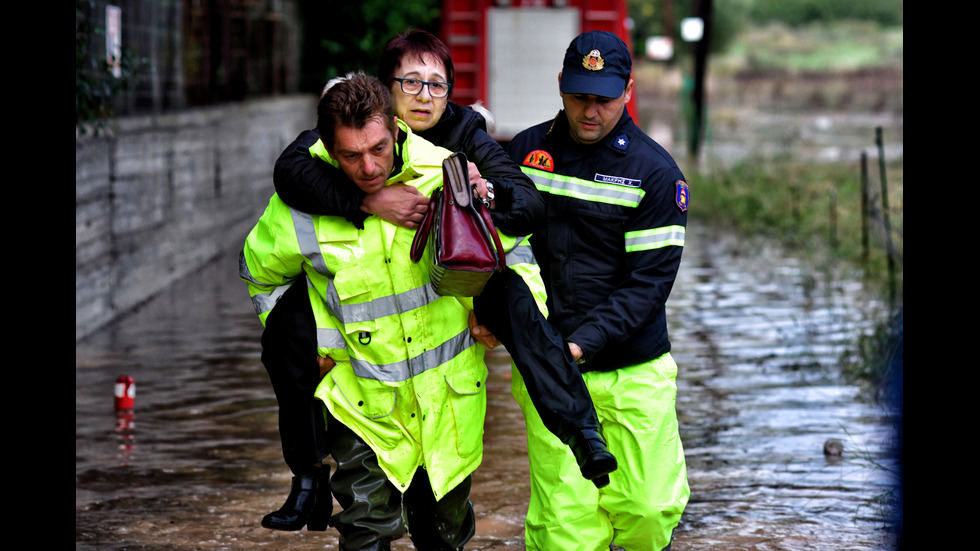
167,194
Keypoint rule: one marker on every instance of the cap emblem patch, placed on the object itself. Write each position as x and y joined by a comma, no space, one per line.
593,61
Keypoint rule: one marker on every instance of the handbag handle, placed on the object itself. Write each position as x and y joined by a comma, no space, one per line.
425,226
456,173
457,177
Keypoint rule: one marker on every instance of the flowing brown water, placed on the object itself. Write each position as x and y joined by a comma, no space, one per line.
757,338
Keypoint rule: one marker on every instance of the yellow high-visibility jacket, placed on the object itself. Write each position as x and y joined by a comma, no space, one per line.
410,379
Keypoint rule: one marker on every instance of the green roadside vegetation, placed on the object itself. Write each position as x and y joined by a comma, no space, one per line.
816,208
818,46
812,56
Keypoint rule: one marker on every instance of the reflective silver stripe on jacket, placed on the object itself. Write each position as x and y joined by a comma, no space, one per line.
330,338
373,310
262,302
406,369
265,302
569,186
309,245
645,240
520,253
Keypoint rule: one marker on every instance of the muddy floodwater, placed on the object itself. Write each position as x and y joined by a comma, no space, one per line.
757,336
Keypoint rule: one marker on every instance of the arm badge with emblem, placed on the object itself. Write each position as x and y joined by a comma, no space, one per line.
681,195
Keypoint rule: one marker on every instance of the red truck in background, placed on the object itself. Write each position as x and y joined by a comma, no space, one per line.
508,53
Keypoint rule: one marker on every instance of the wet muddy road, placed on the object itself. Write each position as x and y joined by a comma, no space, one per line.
757,338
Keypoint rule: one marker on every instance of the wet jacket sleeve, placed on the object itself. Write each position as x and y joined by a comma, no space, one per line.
308,184
270,261
654,242
518,205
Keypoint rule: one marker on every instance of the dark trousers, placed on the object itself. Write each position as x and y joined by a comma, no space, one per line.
289,356
375,512
553,379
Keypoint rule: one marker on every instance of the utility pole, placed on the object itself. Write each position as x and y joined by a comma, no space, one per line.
701,47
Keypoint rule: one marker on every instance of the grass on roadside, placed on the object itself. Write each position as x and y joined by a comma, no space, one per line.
842,45
816,210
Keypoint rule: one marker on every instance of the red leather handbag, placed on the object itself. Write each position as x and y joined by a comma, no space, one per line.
458,236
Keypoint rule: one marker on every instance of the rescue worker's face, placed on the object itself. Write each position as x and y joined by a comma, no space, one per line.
366,155
422,110
591,118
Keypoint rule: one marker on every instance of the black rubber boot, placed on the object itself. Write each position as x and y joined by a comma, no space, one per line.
309,504
589,449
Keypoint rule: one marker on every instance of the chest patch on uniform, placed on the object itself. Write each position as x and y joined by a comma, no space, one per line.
540,159
617,180
681,195
621,142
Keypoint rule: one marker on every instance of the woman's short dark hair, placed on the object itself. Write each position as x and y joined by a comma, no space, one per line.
353,101
417,43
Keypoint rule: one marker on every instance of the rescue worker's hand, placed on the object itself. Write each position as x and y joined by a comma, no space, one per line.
400,204
481,333
326,364
576,351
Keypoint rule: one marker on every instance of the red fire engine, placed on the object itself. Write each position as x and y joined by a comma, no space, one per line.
508,53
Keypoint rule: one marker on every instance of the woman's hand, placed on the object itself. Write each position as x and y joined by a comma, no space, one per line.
326,364
481,333
400,204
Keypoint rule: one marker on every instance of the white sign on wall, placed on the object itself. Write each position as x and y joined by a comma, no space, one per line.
113,38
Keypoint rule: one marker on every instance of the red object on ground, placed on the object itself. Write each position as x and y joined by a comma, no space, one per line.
125,393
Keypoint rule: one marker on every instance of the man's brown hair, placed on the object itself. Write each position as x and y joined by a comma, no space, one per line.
353,101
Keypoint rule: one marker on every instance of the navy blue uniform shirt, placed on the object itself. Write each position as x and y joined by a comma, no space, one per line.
611,243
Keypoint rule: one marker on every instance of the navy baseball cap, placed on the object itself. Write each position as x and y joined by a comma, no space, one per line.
596,63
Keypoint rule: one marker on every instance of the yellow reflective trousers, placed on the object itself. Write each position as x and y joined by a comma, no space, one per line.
643,503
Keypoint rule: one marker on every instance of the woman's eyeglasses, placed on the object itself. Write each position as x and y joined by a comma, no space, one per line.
414,86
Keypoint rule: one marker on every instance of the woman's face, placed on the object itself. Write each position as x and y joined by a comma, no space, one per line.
420,111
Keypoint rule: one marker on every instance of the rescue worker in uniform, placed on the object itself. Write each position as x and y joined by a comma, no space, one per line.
616,212
418,70
405,385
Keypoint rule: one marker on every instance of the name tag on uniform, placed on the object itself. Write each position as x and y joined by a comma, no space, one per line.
617,180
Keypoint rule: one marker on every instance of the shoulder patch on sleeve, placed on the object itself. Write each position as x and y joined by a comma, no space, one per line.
681,195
